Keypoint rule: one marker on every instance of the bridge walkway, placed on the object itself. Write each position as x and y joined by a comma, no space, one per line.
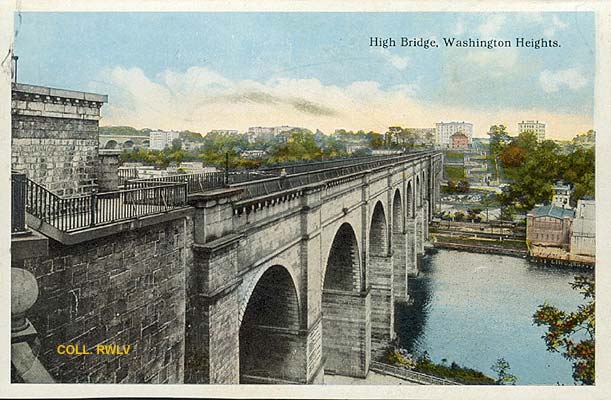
144,197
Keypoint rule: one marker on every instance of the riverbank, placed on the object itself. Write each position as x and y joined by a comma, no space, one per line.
484,245
559,257
373,378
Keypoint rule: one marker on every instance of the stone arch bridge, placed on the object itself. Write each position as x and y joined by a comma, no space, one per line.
273,280
289,285
123,142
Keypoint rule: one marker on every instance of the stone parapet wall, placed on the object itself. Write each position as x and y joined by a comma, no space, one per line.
126,289
55,137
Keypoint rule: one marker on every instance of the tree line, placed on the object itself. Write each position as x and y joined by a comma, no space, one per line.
532,167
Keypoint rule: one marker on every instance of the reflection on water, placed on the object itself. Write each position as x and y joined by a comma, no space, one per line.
475,308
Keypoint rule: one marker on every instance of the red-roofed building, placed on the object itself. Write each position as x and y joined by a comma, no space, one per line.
459,141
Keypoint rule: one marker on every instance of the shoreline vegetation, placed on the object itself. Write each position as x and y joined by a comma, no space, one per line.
424,365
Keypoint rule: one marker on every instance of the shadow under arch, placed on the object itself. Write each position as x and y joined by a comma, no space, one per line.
270,346
346,331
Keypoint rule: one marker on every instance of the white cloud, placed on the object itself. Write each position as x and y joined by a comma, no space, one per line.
492,26
571,78
556,24
201,99
396,61
460,27
494,61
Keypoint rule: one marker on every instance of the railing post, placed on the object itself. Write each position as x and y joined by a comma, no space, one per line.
226,168
18,200
94,204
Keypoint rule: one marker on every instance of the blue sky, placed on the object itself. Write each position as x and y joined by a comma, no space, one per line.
230,70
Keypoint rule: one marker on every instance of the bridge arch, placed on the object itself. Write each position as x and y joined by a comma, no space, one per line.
128,144
111,144
409,200
343,269
378,232
418,194
270,320
397,213
346,337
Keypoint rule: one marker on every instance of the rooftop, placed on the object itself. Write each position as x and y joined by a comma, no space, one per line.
552,211
70,94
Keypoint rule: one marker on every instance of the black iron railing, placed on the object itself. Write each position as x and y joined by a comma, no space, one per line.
203,181
301,166
94,209
126,174
267,186
18,196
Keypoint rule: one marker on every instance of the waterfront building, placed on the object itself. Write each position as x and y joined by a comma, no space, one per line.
583,235
459,141
562,194
159,140
549,225
445,130
533,126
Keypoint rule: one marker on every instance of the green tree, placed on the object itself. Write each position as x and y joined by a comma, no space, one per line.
501,367
499,138
572,333
176,144
376,140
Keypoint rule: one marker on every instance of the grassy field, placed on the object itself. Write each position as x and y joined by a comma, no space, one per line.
454,173
454,156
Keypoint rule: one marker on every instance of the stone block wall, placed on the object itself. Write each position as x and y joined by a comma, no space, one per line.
125,289
55,137
346,334
382,302
400,268
108,171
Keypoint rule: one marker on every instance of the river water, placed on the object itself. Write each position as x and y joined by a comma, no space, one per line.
475,308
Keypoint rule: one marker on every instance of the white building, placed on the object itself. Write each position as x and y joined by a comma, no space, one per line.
223,132
267,132
533,126
425,136
562,194
159,140
583,236
253,154
445,130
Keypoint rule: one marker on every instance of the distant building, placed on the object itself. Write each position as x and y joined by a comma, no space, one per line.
445,130
562,194
265,133
223,132
385,152
459,141
253,154
194,167
354,147
424,136
549,225
159,140
583,236
191,145
533,126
